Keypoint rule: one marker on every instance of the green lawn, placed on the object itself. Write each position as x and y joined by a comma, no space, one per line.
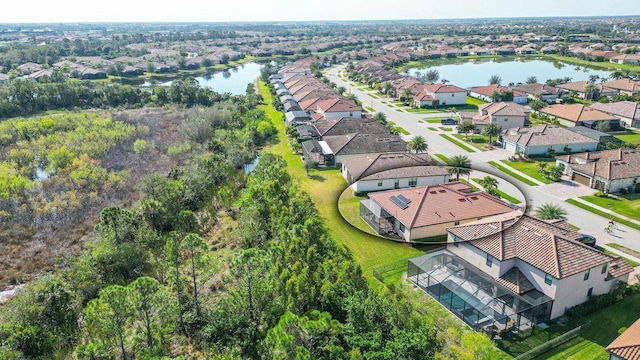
474,101
591,342
374,96
369,109
432,129
477,141
631,136
603,214
433,121
530,168
458,143
444,128
625,249
325,187
511,173
443,158
422,111
349,207
502,194
626,205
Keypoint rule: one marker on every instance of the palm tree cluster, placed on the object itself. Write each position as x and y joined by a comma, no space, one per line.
459,165
548,211
418,144
490,185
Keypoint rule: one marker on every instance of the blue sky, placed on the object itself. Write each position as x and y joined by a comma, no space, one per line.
302,10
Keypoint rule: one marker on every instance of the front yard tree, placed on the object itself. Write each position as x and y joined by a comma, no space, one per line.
418,143
467,127
537,104
490,185
495,79
531,80
380,117
491,129
432,76
309,164
548,211
407,94
459,165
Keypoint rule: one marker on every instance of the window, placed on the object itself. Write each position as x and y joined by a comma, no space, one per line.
452,95
402,228
548,279
590,292
413,181
396,184
489,260
456,240
604,269
506,119
586,274
380,183
456,223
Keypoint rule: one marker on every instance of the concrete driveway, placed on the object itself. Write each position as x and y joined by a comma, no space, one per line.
566,189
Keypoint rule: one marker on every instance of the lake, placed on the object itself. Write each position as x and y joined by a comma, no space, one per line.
477,72
233,81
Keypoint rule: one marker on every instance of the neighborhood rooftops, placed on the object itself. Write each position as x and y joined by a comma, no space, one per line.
576,112
626,109
439,204
537,89
489,89
351,144
408,172
366,165
348,125
546,135
543,245
608,164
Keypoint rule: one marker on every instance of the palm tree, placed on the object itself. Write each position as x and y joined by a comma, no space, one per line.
491,129
495,79
591,92
488,182
531,80
459,165
593,78
418,143
387,88
548,211
444,81
380,117
407,94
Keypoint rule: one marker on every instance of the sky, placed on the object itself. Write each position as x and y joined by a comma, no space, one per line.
58,11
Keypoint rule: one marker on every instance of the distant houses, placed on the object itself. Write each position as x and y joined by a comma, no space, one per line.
580,115
539,139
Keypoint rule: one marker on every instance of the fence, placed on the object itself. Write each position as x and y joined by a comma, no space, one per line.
379,272
540,349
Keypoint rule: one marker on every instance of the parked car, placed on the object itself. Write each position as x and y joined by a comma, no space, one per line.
449,121
587,240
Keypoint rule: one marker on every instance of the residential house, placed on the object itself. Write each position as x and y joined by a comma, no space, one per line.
4,78
624,86
627,345
40,74
505,114
539,139
356,168
291,105
421,212
633,59
579,115
296,117
627,111
338,108
485,93
511,272
332,150
543,92
349,125
403,178
28,68
580,88
608,171
599,136
445,94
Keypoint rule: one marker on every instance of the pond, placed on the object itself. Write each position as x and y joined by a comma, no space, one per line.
477,72
233,80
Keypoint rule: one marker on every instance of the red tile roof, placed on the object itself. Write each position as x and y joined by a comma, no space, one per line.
489,89
607,164
338,105
440,204
443,88
576,112
627,345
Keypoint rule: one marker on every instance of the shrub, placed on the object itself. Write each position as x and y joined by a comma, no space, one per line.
623,191
599,302
636,188
600,194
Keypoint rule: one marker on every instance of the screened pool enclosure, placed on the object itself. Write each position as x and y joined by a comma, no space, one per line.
475,297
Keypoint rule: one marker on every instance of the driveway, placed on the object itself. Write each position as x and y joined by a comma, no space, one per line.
566,189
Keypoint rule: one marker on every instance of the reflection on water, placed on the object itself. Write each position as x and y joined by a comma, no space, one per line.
249,167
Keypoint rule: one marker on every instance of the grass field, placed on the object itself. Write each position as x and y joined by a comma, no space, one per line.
626,205
402,130
603,214
625,249
474,101
502,194
531,168
477,141
591,342
458,143
443,158
444,128
631,136
433,121
511,173
432,129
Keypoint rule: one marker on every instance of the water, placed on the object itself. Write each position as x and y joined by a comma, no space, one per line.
233,81
476,73
249,167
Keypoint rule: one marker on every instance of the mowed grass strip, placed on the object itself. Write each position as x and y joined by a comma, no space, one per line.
443,158
457,143
605,215
511,173
627,205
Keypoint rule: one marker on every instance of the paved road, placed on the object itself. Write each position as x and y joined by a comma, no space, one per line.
588,222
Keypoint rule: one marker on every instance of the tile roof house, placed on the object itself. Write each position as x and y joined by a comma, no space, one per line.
445,94
403,177
335,149
484,93
421,212
626,59
355,168
338,108
579,115
505,114
580,88
530,256
28,68
627,345
607,171
627,111
349,125
538,139
543,92
624,86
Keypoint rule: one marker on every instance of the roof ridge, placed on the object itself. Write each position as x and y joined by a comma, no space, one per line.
422,198
556,259
376,158
354,135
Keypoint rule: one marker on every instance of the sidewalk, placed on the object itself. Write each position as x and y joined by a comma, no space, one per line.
600,208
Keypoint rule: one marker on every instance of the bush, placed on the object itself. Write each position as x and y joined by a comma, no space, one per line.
600,194
623,191
636,188
599,302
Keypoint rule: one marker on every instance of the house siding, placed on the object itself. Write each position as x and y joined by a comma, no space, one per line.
459,98
475,257
340,114
511,121
372,185
559,148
